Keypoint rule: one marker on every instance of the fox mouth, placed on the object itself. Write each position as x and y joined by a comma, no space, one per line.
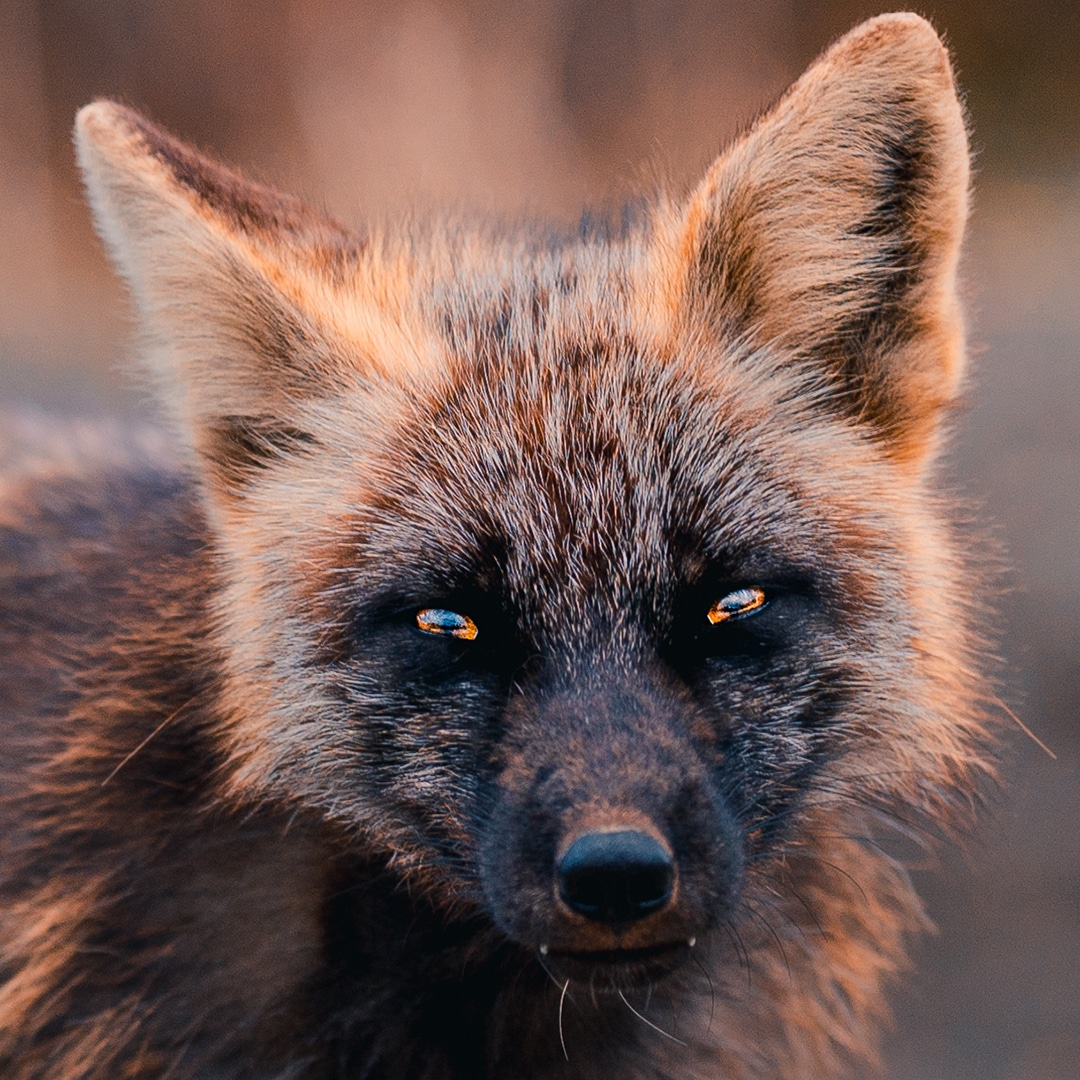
617,968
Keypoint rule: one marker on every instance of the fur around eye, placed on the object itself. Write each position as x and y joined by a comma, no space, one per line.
737,603
446,623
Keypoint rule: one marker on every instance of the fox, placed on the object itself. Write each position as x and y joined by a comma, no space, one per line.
514,651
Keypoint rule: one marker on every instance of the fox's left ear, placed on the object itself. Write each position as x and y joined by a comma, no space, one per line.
830,233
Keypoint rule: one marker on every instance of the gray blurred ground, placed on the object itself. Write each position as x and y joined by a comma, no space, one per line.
545,106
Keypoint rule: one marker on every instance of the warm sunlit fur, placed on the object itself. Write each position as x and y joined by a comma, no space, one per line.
260,826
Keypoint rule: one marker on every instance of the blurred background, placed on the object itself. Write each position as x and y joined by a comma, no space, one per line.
542,107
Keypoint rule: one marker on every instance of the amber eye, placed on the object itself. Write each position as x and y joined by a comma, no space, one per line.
736,603
449,623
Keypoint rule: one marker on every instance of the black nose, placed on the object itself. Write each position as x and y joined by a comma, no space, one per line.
616,877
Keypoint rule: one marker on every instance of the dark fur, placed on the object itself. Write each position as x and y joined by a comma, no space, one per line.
259,825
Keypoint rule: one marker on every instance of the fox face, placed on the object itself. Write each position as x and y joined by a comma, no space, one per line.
594,584
619,703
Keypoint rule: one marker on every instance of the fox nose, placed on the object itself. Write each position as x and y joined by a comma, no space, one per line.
616,877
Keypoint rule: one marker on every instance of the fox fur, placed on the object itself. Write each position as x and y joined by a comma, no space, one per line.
469,551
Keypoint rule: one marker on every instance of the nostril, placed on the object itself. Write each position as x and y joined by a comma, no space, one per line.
616,877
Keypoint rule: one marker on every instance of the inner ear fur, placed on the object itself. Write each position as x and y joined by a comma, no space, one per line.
830,233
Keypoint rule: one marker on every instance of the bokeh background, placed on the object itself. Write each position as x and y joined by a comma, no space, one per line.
542,107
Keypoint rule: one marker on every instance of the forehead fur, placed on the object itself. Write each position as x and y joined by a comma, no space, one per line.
582,441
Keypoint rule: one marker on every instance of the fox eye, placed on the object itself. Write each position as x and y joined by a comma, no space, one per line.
737,603
447,623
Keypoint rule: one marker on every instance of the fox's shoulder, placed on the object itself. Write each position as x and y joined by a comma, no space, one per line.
41,452
77,497
100,530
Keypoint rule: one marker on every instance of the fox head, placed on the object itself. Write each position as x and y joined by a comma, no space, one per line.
596,585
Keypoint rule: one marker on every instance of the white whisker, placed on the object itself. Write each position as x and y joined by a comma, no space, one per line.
646,1020
562,1000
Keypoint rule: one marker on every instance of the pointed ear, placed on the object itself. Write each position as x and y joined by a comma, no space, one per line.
252,303
830,232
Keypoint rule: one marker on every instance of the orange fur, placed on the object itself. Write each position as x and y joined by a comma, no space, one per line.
265,824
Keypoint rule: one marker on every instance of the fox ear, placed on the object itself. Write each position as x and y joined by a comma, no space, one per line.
830,233
240,291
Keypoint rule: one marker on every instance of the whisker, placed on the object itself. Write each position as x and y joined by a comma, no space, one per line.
791,890
740,949
149,738
775,936
548,972
645,1020
562,1002
712,990
1024,728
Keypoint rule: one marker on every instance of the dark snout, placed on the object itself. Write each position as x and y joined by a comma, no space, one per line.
610,843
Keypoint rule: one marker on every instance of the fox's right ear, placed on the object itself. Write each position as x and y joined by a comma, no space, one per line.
252,304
